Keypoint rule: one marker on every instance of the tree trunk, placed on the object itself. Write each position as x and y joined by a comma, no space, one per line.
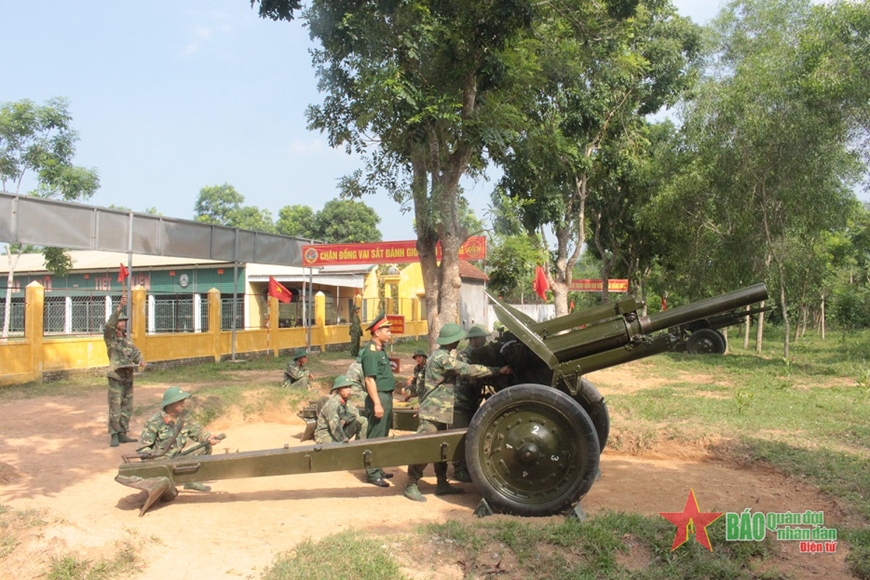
759,332
12,261
822,317
746,330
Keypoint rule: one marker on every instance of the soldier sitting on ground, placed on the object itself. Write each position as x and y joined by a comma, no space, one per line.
339,421
167,432
296,375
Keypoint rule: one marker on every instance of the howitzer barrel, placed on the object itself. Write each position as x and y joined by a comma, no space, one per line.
704,308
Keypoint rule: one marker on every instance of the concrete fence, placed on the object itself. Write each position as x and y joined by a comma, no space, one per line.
39,358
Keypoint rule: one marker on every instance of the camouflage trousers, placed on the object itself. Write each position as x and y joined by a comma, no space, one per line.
356,428
297,384
415,472
120,401
461,418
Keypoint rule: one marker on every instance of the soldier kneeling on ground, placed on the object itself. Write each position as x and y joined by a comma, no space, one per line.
338,421
167,432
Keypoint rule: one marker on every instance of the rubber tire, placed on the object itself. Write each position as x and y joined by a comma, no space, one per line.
705,341
508,414
595,406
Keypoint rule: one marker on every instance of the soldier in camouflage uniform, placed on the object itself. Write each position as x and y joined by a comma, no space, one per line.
357,389
469,393
416,381
123,358
355,331
437,400
166,433
338,421
296,375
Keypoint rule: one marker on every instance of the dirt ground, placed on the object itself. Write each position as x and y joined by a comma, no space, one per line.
54,456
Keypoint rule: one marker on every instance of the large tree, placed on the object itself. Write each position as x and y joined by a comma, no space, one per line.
773,130
593,74
37,144
222,205
418,88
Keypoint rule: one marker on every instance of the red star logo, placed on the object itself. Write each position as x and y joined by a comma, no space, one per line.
691,519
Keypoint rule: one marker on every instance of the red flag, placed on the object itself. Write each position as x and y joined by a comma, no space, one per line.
540,284
277,291
122,273
571,308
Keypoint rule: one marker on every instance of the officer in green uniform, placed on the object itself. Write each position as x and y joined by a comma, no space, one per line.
339,420
123,358
166,433
296,374
437,400
379,384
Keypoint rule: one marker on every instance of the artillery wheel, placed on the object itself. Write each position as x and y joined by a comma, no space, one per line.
593,403
532,450
706,341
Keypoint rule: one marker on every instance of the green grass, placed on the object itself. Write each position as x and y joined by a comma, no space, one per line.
349,555
72,567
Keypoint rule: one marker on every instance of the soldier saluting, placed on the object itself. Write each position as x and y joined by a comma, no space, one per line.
123,358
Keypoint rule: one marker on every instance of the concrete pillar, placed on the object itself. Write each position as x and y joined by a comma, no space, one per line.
34,307
273,325
320,319
214,321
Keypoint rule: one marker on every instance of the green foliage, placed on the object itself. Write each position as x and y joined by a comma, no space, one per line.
296,220
511,263
222,205
345,556
851,307
347,221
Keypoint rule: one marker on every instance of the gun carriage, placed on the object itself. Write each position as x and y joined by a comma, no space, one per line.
532,449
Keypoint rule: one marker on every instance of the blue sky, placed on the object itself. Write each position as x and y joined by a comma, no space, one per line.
171,96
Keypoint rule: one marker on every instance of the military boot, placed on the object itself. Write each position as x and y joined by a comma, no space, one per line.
196,486
444,488
122,438
412,492
113,440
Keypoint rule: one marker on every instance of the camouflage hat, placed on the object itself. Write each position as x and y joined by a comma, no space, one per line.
476,331
450,333
419,352
341,381
299,353
123,316
378,323
173,395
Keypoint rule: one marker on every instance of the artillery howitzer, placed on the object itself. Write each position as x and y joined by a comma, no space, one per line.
532,449
703,336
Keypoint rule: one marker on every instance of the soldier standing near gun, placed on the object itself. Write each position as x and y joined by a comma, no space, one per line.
167,432
379,384
123,358
339,420
469,393
437,402
355,330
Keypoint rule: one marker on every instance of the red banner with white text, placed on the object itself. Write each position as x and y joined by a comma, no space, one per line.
403,252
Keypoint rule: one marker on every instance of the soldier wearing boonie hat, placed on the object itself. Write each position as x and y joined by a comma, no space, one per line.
379,384
123,358
337,420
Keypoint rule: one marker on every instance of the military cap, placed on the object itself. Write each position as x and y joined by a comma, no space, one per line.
450,333
173,395
299,353
341,381
378,322
420,352
123,316
476,331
